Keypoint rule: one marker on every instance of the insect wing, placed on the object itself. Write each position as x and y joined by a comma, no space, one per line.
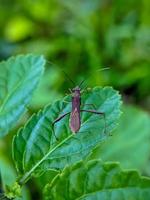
75,121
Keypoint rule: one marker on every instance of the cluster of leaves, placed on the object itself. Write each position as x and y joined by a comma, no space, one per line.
71,165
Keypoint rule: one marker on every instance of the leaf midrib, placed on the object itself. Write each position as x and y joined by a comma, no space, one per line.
27,174
10,94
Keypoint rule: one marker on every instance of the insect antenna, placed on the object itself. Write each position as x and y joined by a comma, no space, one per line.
69,78
50,62
81,83
105,68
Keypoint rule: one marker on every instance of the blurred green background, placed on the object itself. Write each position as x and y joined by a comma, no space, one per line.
81,37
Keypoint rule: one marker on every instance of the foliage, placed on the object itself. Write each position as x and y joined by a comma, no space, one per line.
19,77
39,148
35,149
79,38
111,183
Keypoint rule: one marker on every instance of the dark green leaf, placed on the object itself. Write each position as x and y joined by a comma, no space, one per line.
97,180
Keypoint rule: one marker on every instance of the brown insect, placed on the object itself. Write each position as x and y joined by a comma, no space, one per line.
75,119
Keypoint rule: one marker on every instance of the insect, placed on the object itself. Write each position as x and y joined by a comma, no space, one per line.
75,119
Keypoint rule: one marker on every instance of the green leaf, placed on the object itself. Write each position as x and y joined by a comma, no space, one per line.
97,180
19,77
130,141
35,148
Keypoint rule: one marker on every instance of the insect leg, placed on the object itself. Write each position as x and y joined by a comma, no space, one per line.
98,113
57,120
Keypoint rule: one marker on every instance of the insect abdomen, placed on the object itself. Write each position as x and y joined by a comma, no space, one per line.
75,121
